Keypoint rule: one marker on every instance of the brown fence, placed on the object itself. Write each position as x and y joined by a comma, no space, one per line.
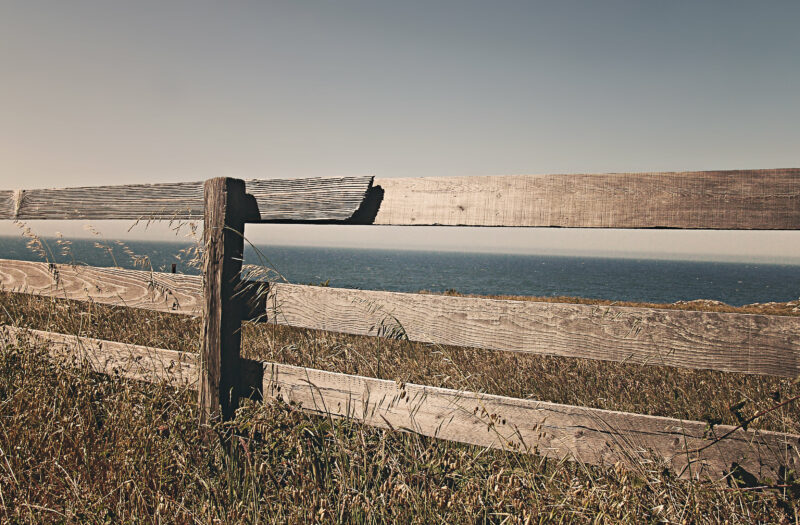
730,342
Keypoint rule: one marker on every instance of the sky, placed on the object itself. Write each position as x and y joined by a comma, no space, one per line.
142,92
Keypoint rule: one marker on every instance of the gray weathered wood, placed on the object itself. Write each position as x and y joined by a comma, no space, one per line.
279,200
754,344
312,199
758,344
142,363
110,357
742,199
163,292
585,434
223,239
720,341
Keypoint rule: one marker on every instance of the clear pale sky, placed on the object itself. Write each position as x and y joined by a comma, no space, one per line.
137,92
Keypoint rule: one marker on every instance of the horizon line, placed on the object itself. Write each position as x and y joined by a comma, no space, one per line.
590,254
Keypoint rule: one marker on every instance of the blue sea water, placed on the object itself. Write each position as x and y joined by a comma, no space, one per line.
647,280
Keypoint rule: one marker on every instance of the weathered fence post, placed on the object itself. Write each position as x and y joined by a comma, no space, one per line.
224,217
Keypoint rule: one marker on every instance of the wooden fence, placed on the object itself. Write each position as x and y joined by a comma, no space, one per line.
730,342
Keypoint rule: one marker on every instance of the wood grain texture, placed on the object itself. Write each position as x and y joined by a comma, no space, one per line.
142,363
585,434
312,199
742,199
223,239
757,344
109,357
163,292
753,344
589,435
280,200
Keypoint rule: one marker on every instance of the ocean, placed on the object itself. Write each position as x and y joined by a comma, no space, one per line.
616,279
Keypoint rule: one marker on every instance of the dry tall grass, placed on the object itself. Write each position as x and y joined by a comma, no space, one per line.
80,447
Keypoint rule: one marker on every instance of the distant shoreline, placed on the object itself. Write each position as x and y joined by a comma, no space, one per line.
641,280
638,256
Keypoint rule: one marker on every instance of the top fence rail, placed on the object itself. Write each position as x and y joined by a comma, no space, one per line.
274,200
735,200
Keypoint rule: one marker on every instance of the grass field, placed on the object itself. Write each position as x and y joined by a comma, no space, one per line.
80,447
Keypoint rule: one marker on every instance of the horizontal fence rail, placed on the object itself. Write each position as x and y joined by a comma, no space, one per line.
159,291
163,292
277,200
739,200
585,434
730,342
142,363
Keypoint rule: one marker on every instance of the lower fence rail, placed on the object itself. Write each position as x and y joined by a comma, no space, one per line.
587,435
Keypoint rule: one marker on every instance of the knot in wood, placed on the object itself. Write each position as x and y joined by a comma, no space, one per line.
16,199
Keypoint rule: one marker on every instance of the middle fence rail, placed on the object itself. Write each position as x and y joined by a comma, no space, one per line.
730,342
